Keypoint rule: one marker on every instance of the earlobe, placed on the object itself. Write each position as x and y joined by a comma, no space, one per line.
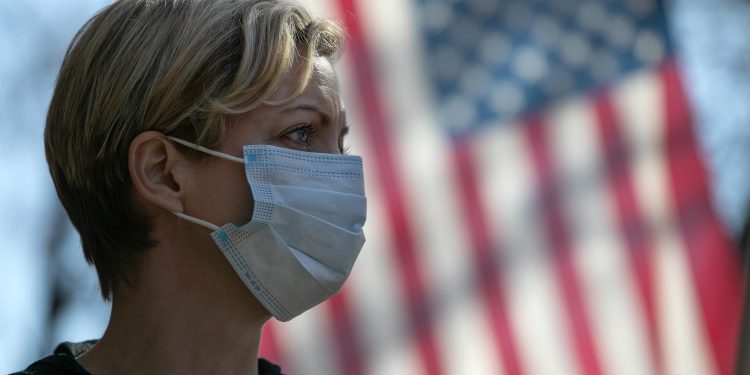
151,162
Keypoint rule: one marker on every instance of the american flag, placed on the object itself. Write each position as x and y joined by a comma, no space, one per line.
537,200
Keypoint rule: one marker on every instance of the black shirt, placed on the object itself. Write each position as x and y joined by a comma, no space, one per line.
63,362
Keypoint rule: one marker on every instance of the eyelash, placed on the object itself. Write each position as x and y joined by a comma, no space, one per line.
310,132
343,147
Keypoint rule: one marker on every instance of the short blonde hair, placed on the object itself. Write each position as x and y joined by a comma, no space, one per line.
180,67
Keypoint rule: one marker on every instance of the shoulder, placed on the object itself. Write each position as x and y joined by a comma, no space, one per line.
61,362
265,367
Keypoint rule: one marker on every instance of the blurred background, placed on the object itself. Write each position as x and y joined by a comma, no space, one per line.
555,187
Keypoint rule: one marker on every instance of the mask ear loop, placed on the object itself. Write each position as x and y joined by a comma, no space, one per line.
207,150
185,143
200,222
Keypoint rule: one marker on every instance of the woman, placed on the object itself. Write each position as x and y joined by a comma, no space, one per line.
197,147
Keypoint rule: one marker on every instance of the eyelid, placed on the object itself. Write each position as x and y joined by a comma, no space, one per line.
297,127
310,127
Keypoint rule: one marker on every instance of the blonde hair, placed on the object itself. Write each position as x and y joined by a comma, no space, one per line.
180,67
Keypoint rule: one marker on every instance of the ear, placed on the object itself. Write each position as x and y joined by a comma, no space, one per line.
152,161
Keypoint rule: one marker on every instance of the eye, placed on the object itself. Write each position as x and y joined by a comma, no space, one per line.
301,134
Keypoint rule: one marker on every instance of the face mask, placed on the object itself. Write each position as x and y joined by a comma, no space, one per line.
306,227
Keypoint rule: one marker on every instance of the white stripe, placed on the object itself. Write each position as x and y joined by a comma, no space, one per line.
463,337
684,344
404,359
375,298
321,8
375,295
614,309
375,292
308,344
506,178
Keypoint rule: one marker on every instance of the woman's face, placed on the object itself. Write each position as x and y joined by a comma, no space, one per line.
216,190
313,121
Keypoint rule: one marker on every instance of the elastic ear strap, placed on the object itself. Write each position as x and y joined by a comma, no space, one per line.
200,222
207,150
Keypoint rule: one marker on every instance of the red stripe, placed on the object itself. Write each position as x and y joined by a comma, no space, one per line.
486,264
348,345
714,262
630,220
387,175
557,231
269,346
346,339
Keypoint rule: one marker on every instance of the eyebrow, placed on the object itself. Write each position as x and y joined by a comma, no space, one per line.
308,107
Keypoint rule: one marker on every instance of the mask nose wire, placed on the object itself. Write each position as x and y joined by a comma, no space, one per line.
222,155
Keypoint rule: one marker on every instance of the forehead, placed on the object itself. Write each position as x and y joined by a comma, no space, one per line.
323,82
265,121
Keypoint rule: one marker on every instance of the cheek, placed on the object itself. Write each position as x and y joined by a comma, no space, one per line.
221,195
237,202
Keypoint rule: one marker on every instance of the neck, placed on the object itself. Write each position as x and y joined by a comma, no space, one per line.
179,323
201,343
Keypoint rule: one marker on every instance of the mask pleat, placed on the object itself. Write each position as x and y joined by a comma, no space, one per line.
319,239
258,262
336,211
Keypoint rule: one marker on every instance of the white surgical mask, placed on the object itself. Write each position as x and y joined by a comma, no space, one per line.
306,227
